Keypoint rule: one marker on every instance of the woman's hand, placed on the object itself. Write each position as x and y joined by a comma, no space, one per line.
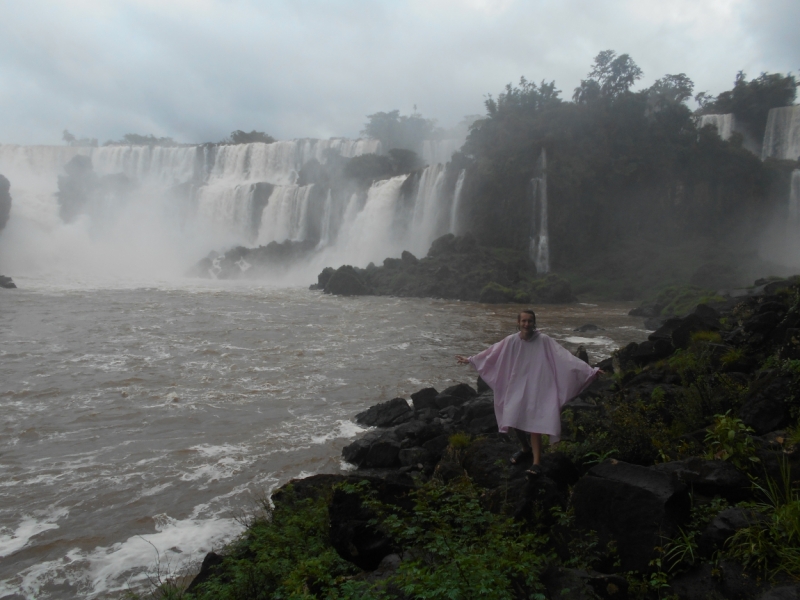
462,360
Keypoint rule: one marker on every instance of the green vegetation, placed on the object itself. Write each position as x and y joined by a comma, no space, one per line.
405,132
243,137
135,139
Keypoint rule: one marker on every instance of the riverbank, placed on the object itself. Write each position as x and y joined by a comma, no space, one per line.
653,491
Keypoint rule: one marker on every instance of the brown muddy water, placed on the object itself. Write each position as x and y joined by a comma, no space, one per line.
137,423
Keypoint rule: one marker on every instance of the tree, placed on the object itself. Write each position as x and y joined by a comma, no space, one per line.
400,131
242,137
611,76
751,101
527,97
134,139
68,137
669,92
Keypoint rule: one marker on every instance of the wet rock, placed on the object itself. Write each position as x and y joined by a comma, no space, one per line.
352,535
408,259
437,446
633,505
783,592
581,353
383,454
424,398
386,414
486,460
7,283
579,584
208,569
698,583
710,478
766,408
346,281
588,327
411,457
723,526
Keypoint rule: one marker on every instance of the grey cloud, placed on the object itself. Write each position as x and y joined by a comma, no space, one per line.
314,68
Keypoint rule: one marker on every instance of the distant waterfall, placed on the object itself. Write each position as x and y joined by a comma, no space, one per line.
185,201
794,199
539,248
440,151
724,124
782,135
455,215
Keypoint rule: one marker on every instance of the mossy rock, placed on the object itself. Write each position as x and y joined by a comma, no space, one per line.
552,289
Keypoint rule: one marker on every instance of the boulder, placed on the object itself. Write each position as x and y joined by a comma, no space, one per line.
352,534
783,592
411,457
346,281
710,477
408,259
5,201
486,460
5,282
580,584
723,526
208,569
636,506
437,446
587,327
765,409
424,398
386,414
356,452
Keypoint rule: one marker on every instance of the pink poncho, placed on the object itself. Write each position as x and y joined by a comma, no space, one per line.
531,380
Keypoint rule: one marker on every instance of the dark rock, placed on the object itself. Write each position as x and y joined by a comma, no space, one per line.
408,259
588,327
411,457
721,527
386,414
558,467
653,323
487,424
437,446
581,353
736,582
324,277
650,311
633,505
207,570
481,406
444,400
698,583
430,431
424,398
352,535
486,460
5,282
710,477
783,592
345,281
383,454
315,486
762,323
461,390
579,584
765,409
482,385
356,452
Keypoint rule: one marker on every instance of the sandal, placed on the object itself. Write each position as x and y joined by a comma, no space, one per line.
520,456
533,472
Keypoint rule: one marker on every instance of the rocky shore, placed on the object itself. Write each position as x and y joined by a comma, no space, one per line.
6,282
456,268
677,477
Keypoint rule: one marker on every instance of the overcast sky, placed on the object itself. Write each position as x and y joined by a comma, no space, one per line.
197,69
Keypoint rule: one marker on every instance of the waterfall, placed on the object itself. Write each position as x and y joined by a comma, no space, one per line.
794,199
286,215
185,201
782,135
539,249
725,124
440,151
454,212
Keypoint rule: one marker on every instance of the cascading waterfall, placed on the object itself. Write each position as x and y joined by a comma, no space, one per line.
539,248
725,124
440,151
782,135
794,200
455,213
286,215
188,200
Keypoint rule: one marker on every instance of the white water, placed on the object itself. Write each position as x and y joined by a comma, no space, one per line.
440,151
723,123
163,230
794,201
455,212
782,135
539,249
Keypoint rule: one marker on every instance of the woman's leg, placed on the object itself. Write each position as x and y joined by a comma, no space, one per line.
536,446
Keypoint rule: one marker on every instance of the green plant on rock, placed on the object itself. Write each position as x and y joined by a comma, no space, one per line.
454,548
730,439
286,554
771,543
